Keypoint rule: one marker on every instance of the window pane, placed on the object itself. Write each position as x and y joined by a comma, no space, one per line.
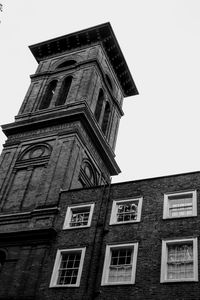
180,205
79,218
180,261
69,267
127,212
120,266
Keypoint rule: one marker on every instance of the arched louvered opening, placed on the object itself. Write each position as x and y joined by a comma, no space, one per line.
48,95
108,80
64,91
2,258
65,64
99,105
106,117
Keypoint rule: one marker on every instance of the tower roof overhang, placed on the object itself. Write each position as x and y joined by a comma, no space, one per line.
102,33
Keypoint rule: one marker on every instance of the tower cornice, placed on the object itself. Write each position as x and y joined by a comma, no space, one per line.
102,33
79,112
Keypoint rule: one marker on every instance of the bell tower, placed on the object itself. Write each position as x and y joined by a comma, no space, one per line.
63,138
65,133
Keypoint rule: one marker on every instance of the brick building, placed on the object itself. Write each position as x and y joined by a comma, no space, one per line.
66,232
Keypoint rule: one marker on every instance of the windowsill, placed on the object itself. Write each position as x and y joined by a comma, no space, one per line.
180,281
124,223
64,286
77,227
116,283
175,218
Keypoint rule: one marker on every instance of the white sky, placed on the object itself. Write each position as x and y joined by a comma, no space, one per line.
160,39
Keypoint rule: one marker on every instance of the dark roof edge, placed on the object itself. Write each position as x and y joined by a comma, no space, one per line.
70,34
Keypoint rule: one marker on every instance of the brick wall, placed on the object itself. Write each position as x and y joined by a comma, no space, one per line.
149,233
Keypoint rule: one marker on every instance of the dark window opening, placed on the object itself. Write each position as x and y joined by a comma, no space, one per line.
64,91
2,258
99,105
48,95
106,118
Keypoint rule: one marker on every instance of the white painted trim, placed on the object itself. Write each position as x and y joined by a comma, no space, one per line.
163,273
69,213
54,276
107,260
115,204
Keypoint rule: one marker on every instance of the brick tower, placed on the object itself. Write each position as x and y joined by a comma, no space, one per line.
63,138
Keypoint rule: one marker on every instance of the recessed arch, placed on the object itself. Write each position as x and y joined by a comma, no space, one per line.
66,64
87,174
35,151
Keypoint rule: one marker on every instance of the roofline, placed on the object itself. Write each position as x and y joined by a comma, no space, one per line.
157,177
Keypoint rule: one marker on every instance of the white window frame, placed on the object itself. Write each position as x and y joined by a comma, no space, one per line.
116,203
165,243
69,215
107,260
54,277
166,206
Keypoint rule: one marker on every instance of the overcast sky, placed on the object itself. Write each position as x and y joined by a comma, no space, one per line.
160,39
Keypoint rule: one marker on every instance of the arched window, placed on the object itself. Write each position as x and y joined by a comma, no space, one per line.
64,91
99,105
105,118
48,95
67,63
2,258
